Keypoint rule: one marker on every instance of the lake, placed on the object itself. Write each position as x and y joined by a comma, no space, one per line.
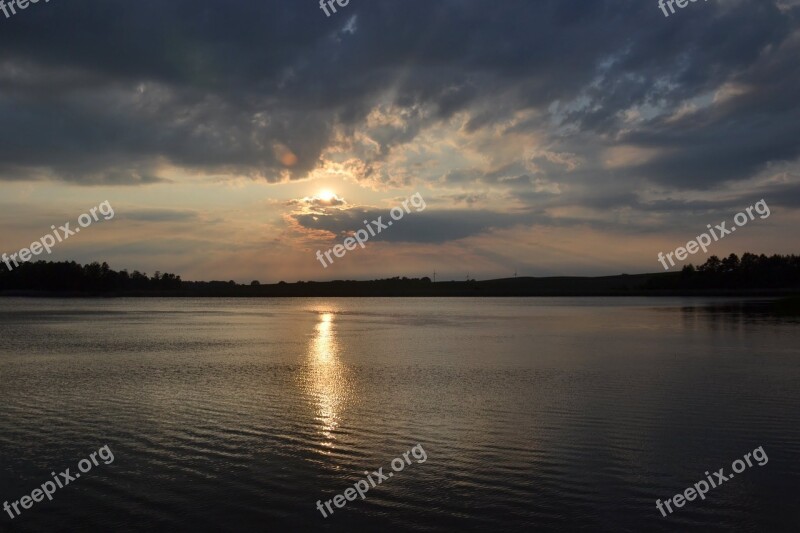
533,413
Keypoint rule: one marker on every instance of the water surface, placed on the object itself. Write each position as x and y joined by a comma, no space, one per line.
535,413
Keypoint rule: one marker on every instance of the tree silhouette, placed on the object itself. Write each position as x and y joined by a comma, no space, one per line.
95,277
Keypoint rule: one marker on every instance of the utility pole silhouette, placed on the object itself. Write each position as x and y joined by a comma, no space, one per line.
434,276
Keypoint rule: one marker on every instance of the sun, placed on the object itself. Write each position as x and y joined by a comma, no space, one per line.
326,195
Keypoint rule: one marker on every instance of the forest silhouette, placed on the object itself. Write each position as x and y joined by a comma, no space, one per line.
749,274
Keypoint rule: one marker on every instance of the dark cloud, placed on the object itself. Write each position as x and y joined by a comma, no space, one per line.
107,93
419,227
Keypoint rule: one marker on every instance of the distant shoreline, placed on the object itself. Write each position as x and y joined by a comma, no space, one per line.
609,286
660,294
752,276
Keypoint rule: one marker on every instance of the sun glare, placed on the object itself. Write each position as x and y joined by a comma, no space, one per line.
326,195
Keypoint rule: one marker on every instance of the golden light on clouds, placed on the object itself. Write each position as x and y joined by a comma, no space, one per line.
285,155
628,155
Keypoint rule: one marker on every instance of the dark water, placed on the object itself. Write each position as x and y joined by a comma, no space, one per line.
534,414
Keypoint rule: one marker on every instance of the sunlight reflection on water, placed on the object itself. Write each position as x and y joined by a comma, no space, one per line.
326,379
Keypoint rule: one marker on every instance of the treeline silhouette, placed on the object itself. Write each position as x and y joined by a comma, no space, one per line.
339,288
750,272
95,278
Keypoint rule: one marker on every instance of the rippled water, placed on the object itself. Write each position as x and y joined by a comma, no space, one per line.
535,414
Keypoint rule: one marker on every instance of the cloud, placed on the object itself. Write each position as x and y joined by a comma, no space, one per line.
415,227
553,103
315,204
159,215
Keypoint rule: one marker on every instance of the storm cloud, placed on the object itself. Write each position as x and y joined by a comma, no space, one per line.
526,111
95,92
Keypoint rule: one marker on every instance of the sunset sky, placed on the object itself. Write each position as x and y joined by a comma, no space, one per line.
235,138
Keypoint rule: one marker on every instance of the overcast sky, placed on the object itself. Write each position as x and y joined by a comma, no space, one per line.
550,137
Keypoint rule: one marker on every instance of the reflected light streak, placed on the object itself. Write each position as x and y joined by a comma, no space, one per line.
327,380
